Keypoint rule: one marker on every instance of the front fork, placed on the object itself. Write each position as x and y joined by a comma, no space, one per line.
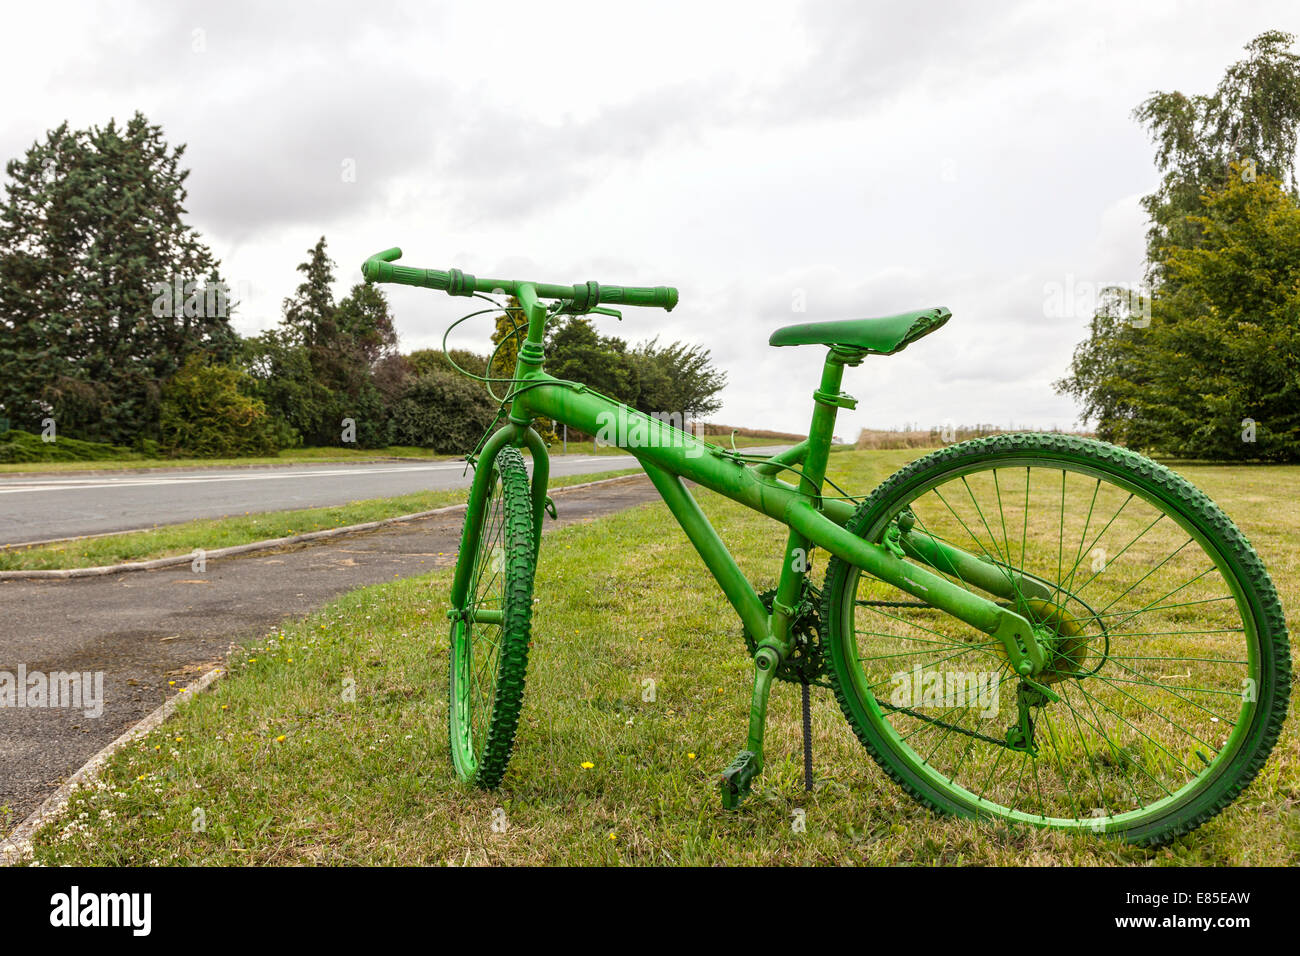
512,433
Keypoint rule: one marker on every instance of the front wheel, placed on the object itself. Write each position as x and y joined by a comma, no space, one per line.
1169,671
490,631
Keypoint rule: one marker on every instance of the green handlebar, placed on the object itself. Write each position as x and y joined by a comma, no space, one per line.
585,295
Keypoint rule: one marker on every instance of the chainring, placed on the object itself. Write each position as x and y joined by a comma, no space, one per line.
807,661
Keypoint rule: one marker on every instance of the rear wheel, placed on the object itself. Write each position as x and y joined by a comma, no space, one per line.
1169,661
490,633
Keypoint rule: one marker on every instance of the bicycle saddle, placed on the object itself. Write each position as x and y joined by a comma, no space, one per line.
882,336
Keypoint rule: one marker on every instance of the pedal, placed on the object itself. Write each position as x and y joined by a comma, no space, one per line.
737,778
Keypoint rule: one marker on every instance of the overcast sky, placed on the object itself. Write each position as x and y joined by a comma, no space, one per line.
867,158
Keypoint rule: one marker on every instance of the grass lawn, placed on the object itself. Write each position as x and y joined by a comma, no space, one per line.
282,763
211,534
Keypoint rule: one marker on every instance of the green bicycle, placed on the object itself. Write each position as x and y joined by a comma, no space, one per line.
1035,628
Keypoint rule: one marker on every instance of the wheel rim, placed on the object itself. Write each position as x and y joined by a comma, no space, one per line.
1138,593
476,645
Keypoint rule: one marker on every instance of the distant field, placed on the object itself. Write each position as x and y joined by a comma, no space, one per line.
287,771
882,439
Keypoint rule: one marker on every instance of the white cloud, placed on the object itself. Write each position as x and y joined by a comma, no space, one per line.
881,156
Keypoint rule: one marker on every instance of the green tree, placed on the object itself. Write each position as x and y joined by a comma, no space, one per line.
424,361
283,378
343,342
1246,131
1106,374
444,412
208,411
365,326
310,312
576,351
1221,360
104,289
1251,118
678,379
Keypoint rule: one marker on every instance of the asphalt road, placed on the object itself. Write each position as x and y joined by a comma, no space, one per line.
143,629
41,507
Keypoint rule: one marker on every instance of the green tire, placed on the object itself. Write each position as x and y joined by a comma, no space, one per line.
490,634
1161,668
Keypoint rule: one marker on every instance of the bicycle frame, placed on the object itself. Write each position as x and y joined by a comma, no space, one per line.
888,542
670,455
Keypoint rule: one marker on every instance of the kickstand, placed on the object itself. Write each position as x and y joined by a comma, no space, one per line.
807,738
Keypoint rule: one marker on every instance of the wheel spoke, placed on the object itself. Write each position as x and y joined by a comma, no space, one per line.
1145,649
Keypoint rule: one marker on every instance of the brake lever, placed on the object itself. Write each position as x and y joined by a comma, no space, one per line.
565,307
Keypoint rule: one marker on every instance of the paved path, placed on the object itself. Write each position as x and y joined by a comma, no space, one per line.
40,507
144,629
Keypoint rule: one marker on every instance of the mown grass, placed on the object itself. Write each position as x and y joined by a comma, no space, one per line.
214,533
278,765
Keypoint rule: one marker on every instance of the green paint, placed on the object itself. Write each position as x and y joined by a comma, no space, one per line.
1018,600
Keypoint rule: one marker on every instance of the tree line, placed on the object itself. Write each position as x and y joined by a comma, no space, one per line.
1206,364
115,327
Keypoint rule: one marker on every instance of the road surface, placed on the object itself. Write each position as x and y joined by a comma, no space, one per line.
43,507
143,629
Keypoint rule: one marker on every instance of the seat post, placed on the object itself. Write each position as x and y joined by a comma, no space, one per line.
828,401
794,571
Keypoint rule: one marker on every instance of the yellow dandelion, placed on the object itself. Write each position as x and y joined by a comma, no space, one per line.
280,739
587,765
690,756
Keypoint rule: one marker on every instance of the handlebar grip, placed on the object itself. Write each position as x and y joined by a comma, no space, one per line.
659,297
377,268
380,268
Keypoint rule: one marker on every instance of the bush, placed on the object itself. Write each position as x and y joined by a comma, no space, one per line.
442,412
19,446
207,412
